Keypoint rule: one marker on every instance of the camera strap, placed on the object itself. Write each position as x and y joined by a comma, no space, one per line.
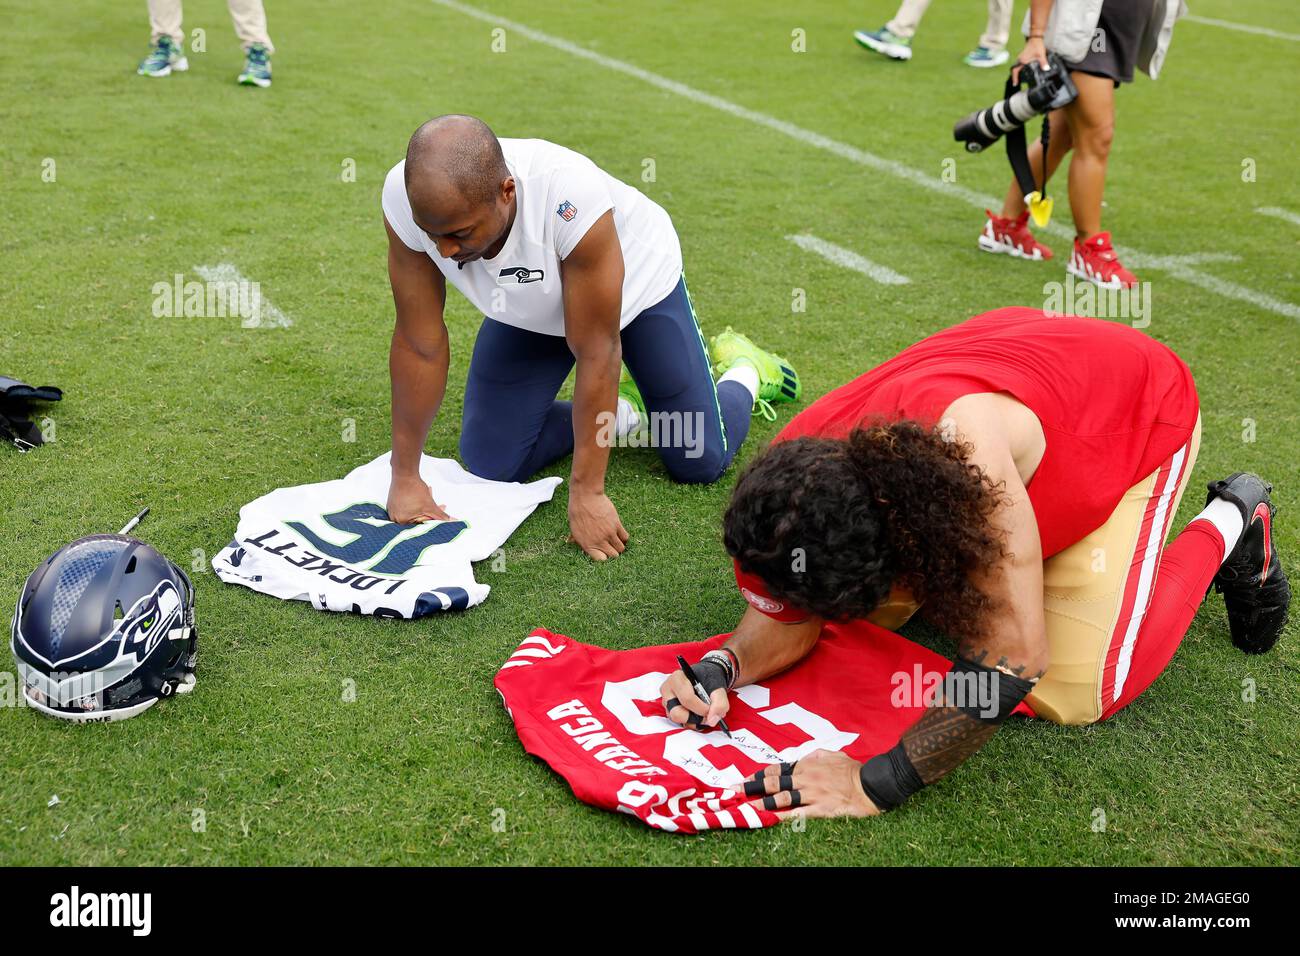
1040,207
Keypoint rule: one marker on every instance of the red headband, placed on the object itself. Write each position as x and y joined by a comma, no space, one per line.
756,593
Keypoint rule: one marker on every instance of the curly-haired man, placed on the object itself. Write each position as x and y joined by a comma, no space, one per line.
1014,477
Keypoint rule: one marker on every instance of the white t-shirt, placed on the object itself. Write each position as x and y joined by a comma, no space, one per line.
559,194
332,543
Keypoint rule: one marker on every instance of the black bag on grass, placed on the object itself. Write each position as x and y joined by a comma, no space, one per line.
15,406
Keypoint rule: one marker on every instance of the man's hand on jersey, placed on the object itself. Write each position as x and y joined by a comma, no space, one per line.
823,784
594,525
683,706
410,501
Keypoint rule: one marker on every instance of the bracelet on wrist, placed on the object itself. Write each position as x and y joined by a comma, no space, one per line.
723,661
735,663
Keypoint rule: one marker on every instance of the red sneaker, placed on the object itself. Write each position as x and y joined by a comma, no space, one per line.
1095,260
1012,236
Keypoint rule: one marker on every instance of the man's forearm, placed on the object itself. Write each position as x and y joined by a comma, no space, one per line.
977,696
974,699
764,647
419,382
943,739
760,659
595,400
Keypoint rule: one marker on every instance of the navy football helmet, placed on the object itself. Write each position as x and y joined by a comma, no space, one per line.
104,629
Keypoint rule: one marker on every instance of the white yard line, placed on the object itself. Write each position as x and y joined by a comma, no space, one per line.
264,314
861,157
1243,28
849,260
1284,214
1174,263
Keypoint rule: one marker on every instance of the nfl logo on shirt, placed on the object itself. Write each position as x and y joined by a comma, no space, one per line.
567,211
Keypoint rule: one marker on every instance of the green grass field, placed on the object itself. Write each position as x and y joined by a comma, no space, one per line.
196,416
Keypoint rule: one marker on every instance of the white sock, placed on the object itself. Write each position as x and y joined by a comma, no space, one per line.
1226,518
627,419
746,375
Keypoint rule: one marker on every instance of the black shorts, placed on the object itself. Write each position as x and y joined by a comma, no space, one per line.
1114,47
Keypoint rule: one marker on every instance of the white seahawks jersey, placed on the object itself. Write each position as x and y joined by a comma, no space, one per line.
333,545
559,194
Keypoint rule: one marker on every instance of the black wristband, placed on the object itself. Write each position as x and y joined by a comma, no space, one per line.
890,778
714,674
984,693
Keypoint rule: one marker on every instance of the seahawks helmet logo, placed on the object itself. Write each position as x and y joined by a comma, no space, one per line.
150,620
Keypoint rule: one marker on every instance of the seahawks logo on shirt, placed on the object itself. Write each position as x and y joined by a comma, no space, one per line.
519,274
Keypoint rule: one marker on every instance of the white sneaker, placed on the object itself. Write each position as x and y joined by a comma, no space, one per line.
882,41
983,58
164,58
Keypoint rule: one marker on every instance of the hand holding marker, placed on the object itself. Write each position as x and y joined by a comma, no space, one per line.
699,689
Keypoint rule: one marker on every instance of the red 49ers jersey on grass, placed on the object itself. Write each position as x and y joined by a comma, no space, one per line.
596,718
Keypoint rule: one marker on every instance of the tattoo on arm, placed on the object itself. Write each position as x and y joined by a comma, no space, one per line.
945,737
942,740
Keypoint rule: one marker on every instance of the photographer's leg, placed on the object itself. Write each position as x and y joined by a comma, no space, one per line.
1092,124
1059,143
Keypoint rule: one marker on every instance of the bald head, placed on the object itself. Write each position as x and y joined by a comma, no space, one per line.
454,160
461,192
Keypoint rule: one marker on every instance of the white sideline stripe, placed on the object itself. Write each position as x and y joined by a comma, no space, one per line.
1291,217
270,317
1150,558
849,259
1243,28
1170,263
1230,290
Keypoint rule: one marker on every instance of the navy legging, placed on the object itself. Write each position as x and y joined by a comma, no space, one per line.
513,426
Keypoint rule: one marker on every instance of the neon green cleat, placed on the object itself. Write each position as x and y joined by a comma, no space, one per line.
777,379
628,389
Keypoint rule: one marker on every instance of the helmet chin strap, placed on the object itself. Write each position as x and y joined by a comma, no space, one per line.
95,716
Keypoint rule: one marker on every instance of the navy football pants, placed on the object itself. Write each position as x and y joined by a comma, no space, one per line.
513,426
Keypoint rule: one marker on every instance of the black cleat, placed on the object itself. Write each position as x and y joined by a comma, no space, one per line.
1252,580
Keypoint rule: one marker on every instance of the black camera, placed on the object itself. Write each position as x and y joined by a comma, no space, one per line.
1046,89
